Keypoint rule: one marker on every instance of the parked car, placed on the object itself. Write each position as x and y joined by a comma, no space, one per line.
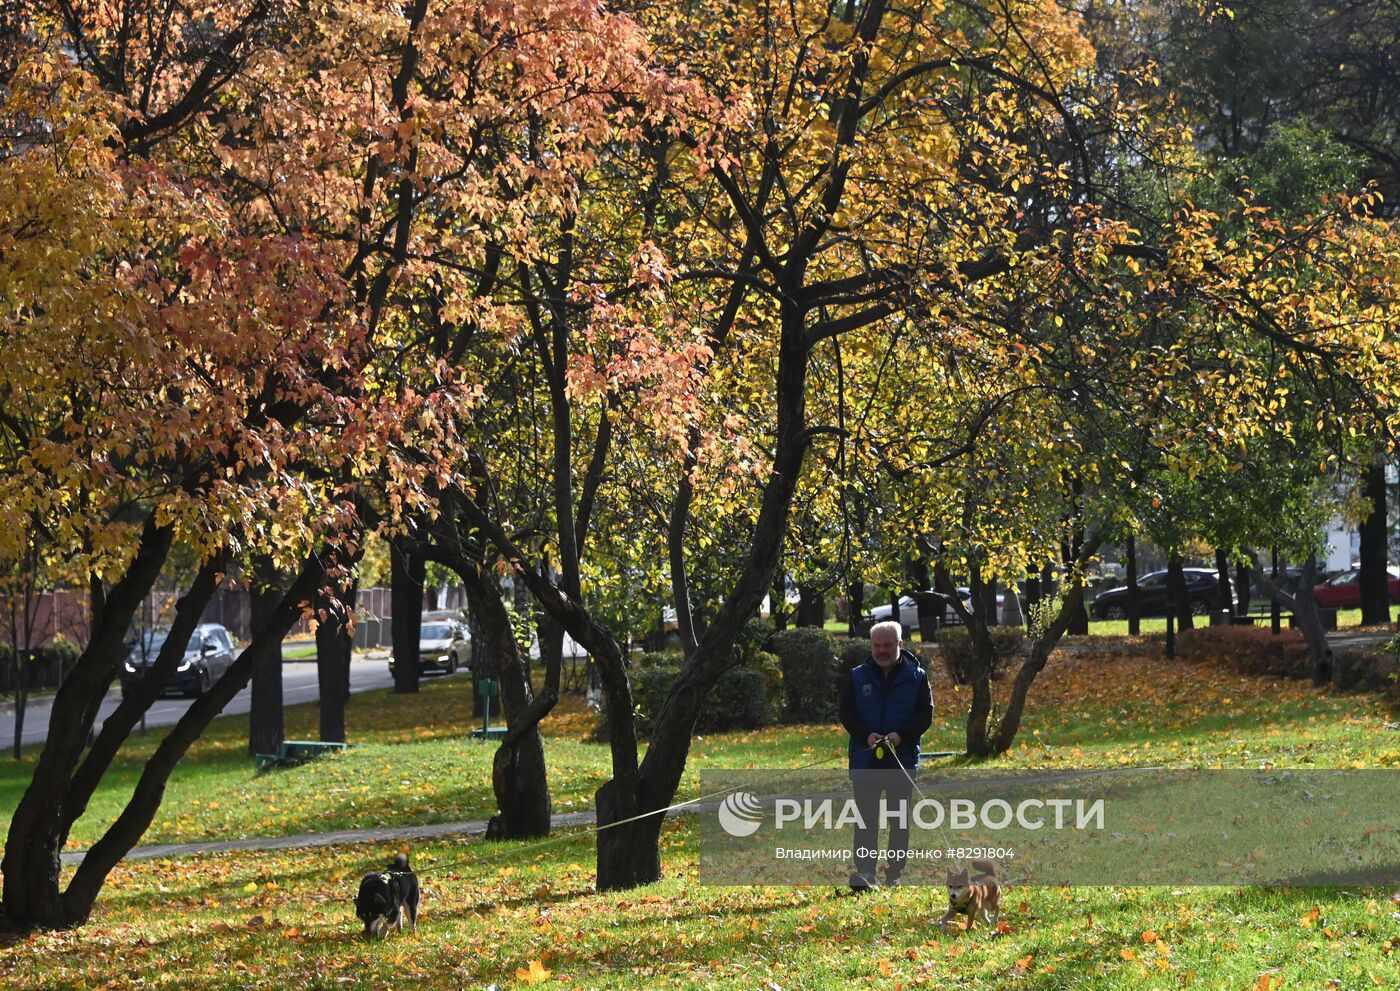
1202,591
909,611
1344,591
443,645
1290,579
207,656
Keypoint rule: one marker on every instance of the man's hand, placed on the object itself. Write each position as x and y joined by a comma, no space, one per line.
894,739
873,739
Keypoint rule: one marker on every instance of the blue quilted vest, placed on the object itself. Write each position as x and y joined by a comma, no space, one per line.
884,708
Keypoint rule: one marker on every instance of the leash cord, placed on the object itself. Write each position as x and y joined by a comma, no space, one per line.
596,829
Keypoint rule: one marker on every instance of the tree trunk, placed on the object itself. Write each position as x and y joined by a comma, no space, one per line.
1079,621
32,894
1134,610
1180,601
1242,594
1304,608
1041,649
334,647
408,568
39,826
266,721
264,648
1225,601
811,607
1375,580
629,855
855,606
518,773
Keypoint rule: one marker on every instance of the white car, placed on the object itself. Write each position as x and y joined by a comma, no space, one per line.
443,645
909,611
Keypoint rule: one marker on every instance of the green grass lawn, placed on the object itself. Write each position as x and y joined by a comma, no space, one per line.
284,919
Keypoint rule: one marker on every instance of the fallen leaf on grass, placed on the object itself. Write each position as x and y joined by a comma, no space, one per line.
536,973
1269,982
1309,918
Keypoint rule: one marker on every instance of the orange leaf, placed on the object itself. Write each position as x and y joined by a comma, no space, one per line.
886,968
1151,936
536,973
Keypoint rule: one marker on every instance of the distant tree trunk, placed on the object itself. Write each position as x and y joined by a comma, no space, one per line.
334,648
518,774
1079,620
1275,610
1304,608
1180,599
1134,609
407,570
855,608
983,738
266,723
777,600
811,607
1375,583
1225,601
1242,593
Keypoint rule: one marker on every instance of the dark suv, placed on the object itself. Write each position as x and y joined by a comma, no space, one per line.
1202,591
207,656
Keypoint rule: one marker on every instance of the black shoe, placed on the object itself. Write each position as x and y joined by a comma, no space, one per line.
863,882
892,881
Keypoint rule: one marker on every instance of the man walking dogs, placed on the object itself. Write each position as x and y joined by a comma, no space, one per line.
886,706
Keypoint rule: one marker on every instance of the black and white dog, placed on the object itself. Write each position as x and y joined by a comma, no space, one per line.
386,897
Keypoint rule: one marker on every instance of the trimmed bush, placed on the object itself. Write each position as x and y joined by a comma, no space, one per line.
745,697
853,652
1009,648
1364,670
809,669
1249,650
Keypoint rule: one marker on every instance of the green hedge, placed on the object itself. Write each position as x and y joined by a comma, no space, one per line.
810,665
746,696
1009,648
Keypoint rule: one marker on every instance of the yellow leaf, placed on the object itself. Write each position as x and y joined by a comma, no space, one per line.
1308,919
536,973
250,887
1128,953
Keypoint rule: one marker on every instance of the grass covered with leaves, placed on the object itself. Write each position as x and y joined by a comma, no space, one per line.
516,914
413,762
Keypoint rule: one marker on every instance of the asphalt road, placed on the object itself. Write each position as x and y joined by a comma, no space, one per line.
298,685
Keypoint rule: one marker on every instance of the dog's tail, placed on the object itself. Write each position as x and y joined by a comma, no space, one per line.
984,868
400,861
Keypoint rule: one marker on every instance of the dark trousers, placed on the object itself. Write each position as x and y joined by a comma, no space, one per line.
896,789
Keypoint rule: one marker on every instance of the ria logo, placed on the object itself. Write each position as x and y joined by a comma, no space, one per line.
741,814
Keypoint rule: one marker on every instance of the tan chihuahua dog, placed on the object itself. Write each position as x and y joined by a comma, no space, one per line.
972,894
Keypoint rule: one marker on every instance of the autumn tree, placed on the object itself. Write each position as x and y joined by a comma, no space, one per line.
197,372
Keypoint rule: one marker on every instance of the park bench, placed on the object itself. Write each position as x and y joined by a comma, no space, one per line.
488,689
293,752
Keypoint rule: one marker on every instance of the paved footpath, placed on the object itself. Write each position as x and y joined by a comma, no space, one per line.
376,835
